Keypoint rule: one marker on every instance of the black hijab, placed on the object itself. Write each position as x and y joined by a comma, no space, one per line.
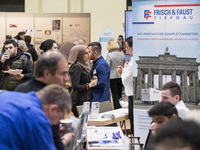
46,45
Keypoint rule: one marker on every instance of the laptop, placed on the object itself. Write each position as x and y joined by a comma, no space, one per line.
80,132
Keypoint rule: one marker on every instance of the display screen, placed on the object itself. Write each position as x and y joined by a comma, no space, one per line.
128,24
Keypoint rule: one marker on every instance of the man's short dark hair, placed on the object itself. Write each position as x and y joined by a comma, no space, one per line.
173,87
121,36
21,33
129,40
11,42
163,108
47,62
27,39
96,46
8,37
178,134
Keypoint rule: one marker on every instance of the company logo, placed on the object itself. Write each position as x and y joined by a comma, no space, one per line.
107,33
147,14
174,12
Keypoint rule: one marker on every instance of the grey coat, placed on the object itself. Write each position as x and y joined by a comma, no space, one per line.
114,59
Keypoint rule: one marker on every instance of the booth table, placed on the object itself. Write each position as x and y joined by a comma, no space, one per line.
120,116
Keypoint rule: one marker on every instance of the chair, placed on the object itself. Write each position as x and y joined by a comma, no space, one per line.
133,139
105,106
134,143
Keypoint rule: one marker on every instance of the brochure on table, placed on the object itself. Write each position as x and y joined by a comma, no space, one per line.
94,109
86,107
110,137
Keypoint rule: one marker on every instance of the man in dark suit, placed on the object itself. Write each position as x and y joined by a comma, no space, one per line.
101,70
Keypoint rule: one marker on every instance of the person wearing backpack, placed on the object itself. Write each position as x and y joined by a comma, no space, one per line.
14,58
24,48
31,49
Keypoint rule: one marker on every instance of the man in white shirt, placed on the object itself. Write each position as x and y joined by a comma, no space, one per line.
171,92
127,78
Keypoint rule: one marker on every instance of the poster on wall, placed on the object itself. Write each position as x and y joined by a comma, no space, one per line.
47,32
13,25
20,22
163,28
38,34
13,29
2,31
55,25
76,27
48,26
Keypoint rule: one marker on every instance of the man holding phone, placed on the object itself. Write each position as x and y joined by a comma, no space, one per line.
14,58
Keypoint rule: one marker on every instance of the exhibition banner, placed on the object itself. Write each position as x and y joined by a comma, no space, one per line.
166,31
106,34
166,26
142,123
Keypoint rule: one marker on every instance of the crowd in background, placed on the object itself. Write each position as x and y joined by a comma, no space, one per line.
92,77
90,81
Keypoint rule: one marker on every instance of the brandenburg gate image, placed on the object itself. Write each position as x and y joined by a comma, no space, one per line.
185,68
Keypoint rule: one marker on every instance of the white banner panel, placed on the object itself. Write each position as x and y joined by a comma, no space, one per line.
160,24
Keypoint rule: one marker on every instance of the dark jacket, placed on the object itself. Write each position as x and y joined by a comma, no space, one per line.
3,50
148,143
1,74
35,85
20,61
32,51
30,85
101,69
17,38
80,91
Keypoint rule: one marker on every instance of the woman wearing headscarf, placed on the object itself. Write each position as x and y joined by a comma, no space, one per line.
49,45
80,78
65,48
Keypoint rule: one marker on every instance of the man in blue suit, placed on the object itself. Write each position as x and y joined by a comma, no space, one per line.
100,69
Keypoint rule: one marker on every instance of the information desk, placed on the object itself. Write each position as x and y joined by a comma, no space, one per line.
104,138
120,115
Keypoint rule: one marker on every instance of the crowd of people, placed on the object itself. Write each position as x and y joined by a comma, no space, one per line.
173,125
36,99
49,71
